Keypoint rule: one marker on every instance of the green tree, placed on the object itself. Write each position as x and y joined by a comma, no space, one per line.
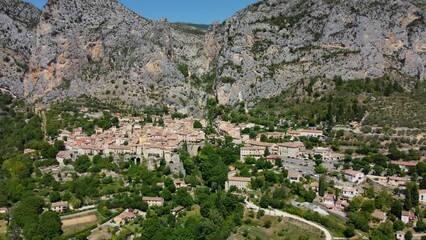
359,221
355,204
323,185
197,124
54,196
82,163
384,231
26,215
50,225
408,235
396,209
408,199
264,201
411,195
183,197
420,226
266,153
349,231
368,206
278,162
213,169
398,225
320,169
370,192
166,194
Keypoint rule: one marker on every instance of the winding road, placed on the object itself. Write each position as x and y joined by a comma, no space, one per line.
276,212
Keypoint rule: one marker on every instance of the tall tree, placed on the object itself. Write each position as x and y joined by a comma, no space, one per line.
323,185
49,225
396,208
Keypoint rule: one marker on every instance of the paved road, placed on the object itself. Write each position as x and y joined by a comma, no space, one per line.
418,235
276,212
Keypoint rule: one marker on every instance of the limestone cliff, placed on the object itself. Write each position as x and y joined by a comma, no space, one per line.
102,49
274,44
17,37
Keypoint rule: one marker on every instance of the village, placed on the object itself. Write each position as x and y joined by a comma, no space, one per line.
158,145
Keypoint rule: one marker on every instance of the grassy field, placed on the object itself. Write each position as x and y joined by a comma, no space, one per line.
3,229
284,229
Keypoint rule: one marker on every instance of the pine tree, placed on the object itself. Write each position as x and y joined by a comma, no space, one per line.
415,195
408,198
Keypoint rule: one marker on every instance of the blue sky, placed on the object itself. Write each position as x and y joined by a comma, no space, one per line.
191,11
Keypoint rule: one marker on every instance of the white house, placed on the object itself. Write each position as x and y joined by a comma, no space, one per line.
306,133
294,177
353,176
290,149
239,182
154,201
59,206
251,151
349,192
422,196
3,210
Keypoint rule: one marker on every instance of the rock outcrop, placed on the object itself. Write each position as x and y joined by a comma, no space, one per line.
274,44
102,49
18,21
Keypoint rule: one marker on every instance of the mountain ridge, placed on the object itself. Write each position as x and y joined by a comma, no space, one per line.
102,49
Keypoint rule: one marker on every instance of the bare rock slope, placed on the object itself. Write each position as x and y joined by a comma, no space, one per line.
275,44
102,49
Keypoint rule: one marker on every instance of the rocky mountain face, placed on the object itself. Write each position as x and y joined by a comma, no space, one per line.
102,49
18,21
275,44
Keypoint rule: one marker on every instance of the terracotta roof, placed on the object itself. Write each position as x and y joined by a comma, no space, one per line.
63,154
59,204
177,209
351,172
291,144
126,215
349,189
293,132
379,214
329,196
407,214
153,199
263,144
422,191
402,163
252,148
396,178
120,147
311,131
293,175
240,179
